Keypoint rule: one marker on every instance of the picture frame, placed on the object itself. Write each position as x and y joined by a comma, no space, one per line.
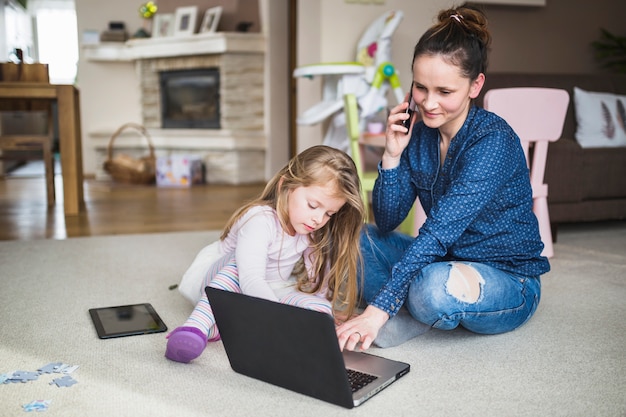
211,19
185,20
163,25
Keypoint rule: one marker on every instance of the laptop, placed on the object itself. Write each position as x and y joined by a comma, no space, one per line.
297,349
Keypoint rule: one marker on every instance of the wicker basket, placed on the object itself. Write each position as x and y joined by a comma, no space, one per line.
124,168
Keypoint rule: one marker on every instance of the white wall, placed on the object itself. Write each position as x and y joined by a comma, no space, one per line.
109,93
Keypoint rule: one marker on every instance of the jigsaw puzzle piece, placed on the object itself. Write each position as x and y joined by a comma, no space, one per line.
50,368
67,369
23,376
39,405
66,381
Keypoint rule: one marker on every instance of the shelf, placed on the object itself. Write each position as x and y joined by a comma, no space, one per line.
512,2
107,51
198,44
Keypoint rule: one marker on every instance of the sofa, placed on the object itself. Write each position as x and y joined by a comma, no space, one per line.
585,183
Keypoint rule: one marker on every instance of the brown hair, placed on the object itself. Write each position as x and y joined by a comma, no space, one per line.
461,37
335,254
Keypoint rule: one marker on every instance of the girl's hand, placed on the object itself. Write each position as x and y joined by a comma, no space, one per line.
397,136
361,329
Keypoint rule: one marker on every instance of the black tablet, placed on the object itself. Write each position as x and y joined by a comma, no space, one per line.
126,320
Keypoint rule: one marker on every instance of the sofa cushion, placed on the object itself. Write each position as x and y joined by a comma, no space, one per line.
600,118
564,172
576,175
604,174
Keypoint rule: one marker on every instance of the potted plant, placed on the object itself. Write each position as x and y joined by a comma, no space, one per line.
610,50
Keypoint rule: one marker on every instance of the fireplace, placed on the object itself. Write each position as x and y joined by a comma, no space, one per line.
229,68
190,98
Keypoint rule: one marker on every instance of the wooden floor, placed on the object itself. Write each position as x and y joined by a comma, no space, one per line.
116,209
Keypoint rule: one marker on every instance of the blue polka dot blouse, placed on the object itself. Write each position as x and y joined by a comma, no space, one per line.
479,203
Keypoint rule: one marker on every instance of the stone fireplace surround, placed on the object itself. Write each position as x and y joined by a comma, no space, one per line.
233,154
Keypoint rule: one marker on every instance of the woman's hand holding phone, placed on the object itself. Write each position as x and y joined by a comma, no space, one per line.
399,127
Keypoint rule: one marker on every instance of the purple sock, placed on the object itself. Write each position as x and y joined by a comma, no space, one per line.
185,344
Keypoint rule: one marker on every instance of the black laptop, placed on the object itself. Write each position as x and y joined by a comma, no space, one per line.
297,349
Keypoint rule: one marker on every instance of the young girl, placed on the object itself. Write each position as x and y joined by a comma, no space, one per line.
476,261
298,243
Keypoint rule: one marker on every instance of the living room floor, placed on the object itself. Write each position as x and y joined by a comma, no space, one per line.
113,208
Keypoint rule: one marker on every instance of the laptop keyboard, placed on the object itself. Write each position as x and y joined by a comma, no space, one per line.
359,379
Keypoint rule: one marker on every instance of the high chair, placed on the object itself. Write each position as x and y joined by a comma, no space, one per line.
368,178
537,116
369,78
416,216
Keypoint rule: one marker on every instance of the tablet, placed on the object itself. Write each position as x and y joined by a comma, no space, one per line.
126,320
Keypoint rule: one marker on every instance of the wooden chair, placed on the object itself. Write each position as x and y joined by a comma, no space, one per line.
19,141
537,116
416,217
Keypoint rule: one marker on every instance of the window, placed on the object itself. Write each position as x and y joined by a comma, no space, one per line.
57,43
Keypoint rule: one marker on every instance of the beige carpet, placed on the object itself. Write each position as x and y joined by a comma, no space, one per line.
569,360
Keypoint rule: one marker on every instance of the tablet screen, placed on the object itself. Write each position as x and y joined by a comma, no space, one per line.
126,320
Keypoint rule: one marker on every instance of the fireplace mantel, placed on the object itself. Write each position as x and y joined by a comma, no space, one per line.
172,46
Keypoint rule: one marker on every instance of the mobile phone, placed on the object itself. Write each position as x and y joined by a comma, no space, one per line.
409,110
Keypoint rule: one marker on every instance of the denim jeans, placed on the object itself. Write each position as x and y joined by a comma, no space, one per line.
502,301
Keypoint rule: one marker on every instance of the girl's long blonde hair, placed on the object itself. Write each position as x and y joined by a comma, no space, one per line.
335,247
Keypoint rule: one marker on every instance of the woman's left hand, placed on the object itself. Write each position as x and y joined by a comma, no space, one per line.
361,329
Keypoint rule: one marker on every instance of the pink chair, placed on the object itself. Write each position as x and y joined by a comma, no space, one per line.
537,116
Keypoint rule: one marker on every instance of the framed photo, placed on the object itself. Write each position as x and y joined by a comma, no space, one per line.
211,19
185,21
163,25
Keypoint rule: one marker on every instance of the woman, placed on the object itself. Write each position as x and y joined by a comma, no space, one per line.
476,261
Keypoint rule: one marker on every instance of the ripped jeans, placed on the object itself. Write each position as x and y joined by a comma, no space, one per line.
447,294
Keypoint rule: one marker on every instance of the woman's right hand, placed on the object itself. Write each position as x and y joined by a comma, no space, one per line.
397,136
361,329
